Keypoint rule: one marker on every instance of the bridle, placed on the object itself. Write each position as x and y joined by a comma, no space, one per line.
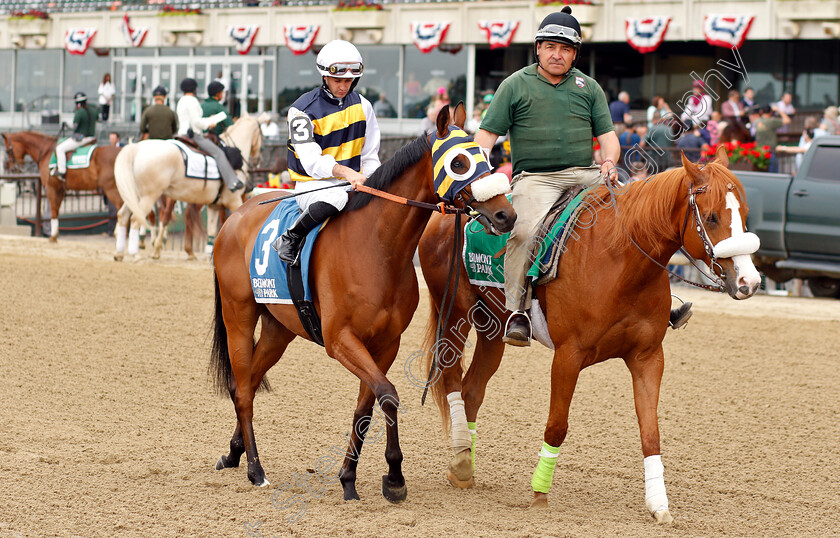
708,246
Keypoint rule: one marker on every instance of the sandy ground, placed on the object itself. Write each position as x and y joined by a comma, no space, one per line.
110,427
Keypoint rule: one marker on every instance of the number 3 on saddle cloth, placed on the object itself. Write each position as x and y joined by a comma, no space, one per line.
78,159
484,258
273,280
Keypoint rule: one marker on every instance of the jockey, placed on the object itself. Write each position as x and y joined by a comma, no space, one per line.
84,133
192,124
212,105
333,137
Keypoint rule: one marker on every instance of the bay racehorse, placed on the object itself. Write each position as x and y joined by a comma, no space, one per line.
39,147
364,289
148,169
611,298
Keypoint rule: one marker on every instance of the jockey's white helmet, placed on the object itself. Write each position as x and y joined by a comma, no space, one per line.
339,59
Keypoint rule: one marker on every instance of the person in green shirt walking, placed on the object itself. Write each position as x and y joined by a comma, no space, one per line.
84,133
158,121
212,105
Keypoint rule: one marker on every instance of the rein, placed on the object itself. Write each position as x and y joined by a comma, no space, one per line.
701,230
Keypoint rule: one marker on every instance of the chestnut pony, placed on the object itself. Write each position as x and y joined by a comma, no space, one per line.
611,298
364,289
39,147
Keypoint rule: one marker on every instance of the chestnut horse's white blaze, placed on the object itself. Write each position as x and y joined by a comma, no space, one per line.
739,246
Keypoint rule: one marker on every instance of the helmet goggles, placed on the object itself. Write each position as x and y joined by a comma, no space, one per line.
556,32
342,68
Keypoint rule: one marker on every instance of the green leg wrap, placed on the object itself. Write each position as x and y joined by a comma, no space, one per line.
544,473
471,427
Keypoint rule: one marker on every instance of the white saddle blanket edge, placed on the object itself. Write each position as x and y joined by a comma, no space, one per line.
195,163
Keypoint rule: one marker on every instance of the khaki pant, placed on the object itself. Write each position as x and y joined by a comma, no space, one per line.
532,198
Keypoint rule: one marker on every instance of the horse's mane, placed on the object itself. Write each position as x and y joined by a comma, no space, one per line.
645,209
391,169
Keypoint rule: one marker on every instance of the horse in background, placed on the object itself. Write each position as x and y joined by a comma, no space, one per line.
611,298
364,289
40,147
147,169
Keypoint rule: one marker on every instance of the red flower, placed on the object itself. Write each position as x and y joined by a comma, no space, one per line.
767,155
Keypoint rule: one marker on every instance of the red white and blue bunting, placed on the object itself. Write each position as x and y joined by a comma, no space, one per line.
77,40
727,30
134,36
244,36
299,39
499,33
645,35
428,35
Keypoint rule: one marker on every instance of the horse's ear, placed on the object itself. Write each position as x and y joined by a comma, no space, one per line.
692,170
442,121
721,156
460,115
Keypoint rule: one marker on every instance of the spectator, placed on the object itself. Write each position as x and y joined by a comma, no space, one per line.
829,123
629,139
114,139
659,136
658,104
786,104
749,98
698,109
691,143
382,108
713,128
106,95
732,110
272,128
158,121
220,78
620,112
765,131
475,122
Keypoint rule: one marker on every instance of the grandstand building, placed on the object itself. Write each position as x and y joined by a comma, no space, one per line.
264,51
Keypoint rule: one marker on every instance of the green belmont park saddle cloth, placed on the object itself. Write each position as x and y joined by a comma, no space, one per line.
79,159
485,266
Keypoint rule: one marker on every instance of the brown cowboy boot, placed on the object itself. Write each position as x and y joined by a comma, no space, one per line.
518,329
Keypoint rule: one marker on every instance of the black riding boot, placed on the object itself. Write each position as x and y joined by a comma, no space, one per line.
288,245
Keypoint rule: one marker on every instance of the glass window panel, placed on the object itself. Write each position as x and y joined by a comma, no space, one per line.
381,78
84,73
175,51
427,73
6,60
36,85
211,51
296,75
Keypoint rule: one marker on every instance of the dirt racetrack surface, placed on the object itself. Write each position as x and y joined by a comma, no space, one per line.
110,428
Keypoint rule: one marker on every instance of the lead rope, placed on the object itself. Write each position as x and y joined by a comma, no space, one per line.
443,321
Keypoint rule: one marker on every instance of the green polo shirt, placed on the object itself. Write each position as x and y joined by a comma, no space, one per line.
551,126
209,107
84,121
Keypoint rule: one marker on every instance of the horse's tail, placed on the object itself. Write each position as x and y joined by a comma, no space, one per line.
436,383
127,183
220,368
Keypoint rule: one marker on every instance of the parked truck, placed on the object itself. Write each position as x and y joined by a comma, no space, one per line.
797,219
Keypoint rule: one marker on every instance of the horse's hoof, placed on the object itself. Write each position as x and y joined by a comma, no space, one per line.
461,484
118,257
53,239
540,500
260,483
394,494
191,258
156,256
350,493
663,517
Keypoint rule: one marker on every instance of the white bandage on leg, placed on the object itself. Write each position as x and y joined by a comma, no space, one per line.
133,241
121,237
461,439
53,227
655,498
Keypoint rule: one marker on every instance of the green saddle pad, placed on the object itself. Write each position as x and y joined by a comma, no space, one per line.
79,159
485,268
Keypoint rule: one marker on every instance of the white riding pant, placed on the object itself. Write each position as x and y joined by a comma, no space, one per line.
66,146
336,196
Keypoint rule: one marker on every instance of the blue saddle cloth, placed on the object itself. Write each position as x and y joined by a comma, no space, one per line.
268,273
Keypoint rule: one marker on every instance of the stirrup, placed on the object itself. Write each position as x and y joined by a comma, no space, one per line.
680,315
515,341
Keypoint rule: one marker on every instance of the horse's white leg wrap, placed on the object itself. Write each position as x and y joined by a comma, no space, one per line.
121,237
133,241
460,432
53,227
655,498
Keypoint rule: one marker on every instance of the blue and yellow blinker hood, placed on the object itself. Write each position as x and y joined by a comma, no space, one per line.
456,142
